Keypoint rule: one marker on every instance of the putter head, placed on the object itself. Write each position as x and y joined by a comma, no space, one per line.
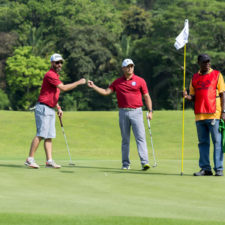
71,164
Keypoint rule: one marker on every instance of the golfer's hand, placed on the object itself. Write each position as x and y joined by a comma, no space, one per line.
82,81
90,84
60,112
149,116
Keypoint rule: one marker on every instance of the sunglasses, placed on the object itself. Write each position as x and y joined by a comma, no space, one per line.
130,66
59,62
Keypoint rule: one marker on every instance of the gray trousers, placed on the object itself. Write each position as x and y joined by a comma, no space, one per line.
133,118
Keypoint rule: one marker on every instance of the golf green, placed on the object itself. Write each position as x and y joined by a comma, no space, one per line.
96,190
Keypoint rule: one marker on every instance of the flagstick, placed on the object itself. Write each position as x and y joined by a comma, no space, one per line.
182,154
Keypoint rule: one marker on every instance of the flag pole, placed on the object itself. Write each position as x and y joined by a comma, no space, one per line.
181,41
182,152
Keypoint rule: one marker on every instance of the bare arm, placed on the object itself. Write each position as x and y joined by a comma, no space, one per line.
68,87
99,90
148,103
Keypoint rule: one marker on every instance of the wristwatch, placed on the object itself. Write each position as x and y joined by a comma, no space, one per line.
223,111
152,110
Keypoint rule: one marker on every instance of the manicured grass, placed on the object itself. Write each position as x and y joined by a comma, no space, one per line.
96,191
96,135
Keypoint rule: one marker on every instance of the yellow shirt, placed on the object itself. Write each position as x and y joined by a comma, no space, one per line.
219,89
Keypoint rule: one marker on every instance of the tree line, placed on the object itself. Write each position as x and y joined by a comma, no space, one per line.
94,36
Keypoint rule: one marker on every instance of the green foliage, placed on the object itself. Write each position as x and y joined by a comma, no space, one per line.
12,15
125,46
91,53
122,4
65,28
68,102
24,77
7,41
136,22
94,37
89,50
4,101
75,100
161,64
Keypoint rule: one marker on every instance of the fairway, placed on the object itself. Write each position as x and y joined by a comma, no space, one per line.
96,190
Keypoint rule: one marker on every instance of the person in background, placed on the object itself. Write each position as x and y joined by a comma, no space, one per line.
45,111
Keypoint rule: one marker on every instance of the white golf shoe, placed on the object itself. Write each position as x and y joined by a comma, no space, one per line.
31,164
52,164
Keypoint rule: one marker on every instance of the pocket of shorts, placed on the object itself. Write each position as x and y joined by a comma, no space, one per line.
39,109
48,111
44,110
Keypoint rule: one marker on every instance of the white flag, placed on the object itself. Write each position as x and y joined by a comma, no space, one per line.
182,38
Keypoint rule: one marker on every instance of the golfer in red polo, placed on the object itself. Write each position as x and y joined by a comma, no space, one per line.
129,90
45,111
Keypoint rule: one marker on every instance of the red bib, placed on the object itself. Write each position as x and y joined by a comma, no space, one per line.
205,91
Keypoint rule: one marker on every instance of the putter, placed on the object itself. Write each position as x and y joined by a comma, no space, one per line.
150,132
70,163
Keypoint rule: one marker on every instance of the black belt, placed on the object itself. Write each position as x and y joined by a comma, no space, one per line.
128,109
41,103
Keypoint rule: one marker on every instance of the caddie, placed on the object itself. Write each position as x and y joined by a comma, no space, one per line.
207,91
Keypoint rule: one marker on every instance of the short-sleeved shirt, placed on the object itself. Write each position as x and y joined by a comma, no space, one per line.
129,92
219,89
49,94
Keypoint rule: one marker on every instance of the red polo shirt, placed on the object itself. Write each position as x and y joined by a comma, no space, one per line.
49,94
129,92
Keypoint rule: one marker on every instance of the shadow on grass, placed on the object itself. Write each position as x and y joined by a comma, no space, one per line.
117,170
12,166
91,167
150,172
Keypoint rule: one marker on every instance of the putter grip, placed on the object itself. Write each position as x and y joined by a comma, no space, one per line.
148,120
60,120
148,123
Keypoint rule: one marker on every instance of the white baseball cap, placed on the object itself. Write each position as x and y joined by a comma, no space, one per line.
56,57
127,62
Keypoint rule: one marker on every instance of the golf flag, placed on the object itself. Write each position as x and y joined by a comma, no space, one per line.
181,41
182,38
